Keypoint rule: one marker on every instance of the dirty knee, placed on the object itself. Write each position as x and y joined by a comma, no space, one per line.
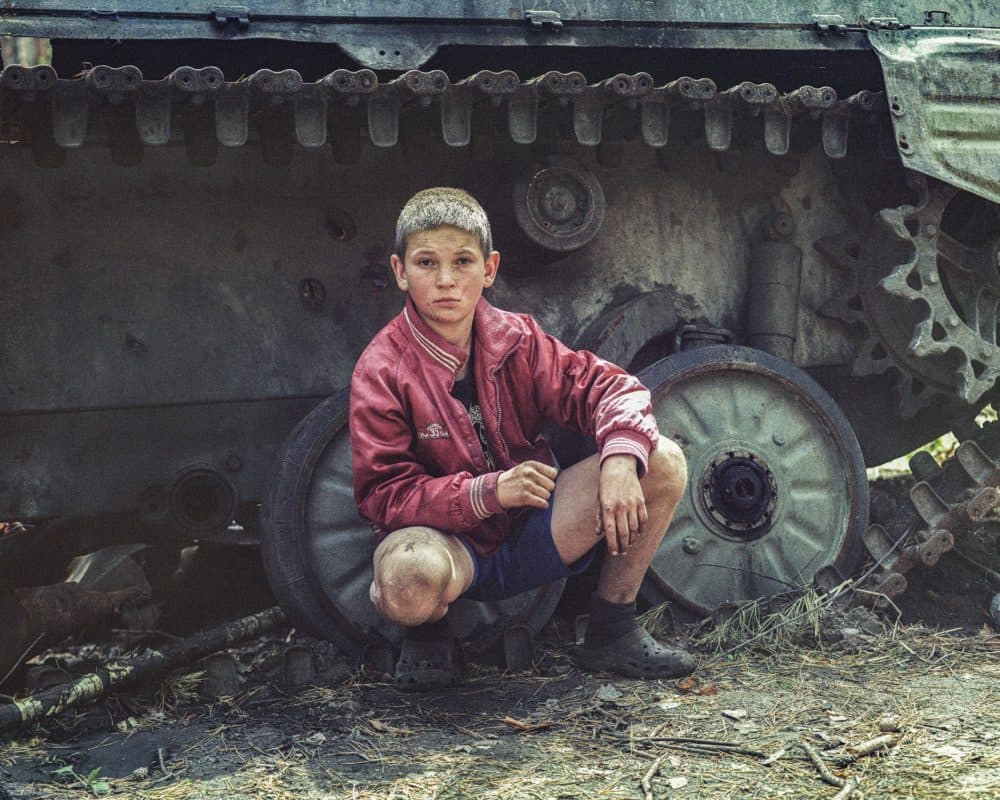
410,583
666,476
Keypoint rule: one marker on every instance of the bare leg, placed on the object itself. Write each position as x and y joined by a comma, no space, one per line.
575,512
614,641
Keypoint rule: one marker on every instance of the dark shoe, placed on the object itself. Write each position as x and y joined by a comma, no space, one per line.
636,655
428,664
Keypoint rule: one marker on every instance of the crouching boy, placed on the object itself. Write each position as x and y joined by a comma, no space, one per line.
447,403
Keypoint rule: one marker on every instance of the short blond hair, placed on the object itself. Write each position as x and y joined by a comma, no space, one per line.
443,205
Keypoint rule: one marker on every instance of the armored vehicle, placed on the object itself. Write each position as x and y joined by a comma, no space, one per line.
784,215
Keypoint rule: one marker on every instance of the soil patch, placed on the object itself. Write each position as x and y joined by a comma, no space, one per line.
730,731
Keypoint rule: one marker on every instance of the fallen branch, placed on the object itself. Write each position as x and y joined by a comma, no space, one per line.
119,674
687,744
528,727
647,780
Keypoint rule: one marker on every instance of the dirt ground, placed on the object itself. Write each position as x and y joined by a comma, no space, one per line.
733,731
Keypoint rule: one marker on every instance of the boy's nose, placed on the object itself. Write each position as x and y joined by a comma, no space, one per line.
445,277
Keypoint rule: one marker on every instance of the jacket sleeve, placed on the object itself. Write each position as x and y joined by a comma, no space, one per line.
391,487
582,391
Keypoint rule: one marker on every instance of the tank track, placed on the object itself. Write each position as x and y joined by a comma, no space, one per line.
947,507
54,113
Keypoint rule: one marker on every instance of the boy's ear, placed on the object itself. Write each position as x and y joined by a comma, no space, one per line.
492,264
399,271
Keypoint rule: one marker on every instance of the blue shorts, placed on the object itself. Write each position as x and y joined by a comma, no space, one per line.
527,559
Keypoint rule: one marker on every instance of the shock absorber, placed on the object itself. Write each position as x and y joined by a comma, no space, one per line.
773,294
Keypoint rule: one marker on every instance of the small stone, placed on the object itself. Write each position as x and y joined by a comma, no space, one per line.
608,693
677,782
140,774
735,713
350,708
890,724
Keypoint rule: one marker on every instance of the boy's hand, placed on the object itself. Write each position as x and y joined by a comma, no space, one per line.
528,484
621,505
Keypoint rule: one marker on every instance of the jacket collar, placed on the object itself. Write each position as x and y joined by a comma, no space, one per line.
494,336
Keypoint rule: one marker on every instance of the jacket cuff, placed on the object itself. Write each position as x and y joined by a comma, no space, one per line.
628,443
483,495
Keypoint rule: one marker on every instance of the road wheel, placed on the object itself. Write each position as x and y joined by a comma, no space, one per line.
777,489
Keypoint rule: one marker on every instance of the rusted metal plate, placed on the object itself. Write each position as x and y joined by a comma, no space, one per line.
943,90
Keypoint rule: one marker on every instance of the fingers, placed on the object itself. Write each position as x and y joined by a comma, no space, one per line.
529,484
543,469
614,519
621,524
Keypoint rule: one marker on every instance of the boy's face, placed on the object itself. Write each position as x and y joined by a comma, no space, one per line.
444,272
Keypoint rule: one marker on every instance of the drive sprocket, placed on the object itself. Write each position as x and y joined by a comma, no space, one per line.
928,293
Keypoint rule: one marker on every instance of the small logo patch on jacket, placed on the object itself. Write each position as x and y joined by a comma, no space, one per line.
434,431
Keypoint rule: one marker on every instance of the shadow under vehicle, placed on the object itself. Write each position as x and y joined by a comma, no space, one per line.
796,208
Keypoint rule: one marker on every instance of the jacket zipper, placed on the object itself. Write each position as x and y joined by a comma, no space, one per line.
496,397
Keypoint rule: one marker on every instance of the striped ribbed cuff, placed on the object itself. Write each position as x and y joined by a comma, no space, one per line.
483,495
629,444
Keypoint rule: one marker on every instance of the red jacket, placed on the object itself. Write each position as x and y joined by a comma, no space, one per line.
417,459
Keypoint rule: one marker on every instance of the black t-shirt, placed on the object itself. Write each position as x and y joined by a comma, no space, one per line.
465,391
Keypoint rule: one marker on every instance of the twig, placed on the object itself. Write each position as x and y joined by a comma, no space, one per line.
849,789
689,745
21,658
163,766
875,745
715,750
777,754
821,767
647,780
992,576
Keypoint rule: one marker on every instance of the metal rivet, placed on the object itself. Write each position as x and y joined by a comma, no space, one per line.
690,545
778,439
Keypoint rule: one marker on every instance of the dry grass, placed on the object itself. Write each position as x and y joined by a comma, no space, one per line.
732,733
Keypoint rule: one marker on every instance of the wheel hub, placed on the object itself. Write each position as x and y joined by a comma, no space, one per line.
738,491
560,207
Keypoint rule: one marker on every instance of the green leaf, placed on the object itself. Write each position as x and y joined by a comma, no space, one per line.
93,774
100,788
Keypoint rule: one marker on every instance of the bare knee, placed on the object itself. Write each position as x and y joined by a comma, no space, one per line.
411,581
666,476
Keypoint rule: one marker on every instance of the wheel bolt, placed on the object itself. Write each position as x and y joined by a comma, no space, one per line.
690,545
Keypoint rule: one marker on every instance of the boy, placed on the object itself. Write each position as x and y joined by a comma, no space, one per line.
446,406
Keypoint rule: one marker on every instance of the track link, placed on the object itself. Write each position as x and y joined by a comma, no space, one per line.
53,112
946,506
